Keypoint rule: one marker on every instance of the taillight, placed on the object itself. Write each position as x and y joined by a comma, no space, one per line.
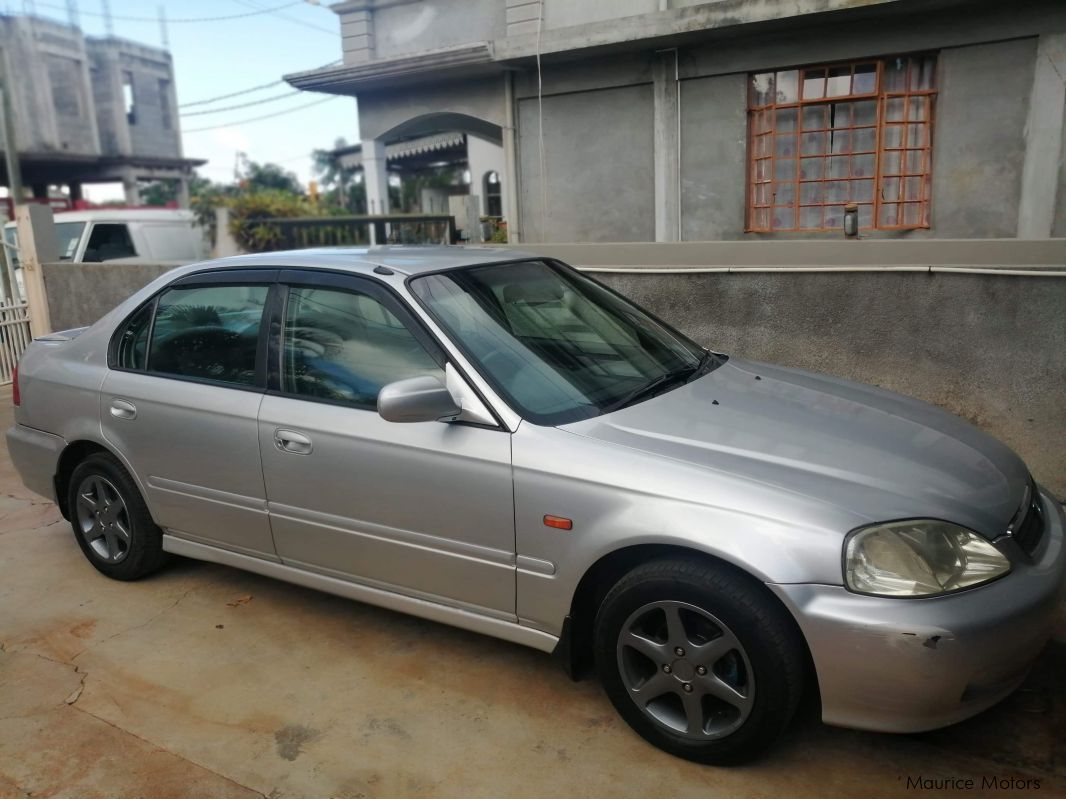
16,398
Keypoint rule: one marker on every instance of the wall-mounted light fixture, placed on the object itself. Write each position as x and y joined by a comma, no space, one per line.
851,220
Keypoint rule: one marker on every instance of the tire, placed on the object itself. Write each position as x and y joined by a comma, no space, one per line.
732,691
111,523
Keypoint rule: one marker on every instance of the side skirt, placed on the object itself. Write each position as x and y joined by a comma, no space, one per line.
497,628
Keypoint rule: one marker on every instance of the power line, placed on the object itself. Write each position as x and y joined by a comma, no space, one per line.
240,92
242,105
293,20
155,20
265,116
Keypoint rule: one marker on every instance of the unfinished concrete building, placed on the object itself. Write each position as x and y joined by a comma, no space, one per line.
90,110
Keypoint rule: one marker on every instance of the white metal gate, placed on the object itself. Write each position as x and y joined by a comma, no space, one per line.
14,337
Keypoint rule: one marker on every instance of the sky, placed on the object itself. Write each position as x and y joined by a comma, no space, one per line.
220,57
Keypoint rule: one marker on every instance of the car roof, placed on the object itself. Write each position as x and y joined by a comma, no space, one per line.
123,215
405,260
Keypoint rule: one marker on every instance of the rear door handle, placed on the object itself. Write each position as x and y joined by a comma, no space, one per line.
291,441
123,409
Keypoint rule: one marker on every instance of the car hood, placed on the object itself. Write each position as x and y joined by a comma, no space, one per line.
876,454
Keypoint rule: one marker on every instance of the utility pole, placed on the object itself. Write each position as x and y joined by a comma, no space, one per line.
14,174
163,27
109,24
72,13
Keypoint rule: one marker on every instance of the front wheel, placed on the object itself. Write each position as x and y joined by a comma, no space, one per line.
699,660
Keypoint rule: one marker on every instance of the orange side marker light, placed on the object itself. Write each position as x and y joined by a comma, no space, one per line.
558,522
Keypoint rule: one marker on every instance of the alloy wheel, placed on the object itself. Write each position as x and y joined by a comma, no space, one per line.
686,670
103,519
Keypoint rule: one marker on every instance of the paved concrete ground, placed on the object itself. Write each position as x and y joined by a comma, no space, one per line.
204,681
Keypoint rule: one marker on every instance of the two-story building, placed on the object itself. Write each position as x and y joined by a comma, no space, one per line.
666,120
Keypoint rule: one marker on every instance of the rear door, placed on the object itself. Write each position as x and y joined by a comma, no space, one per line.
423,509
180,402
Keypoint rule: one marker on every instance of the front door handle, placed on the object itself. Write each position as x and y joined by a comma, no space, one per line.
291,441
123,409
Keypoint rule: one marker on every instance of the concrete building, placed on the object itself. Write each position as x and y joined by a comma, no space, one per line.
90,110
667,120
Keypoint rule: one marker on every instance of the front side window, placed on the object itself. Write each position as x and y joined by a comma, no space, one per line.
207,333
557,345
345,346
821,137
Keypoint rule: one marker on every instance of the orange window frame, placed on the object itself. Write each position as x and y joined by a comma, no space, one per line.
894,146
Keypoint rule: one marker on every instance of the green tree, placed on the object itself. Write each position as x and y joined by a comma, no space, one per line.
336,180
256,177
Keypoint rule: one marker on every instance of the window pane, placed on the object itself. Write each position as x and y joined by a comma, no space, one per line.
811,218
210,333
893,136
345,346
894,109
916,135
865,79
812,168
133,340
889,215
812,193
784,193
784,219
862,166
836,191
914,162
839,167
762,145
785,120
785,169
862,190
787,86
866,216
912,189
815,143
761,219
912,214
895,75
890,163
926,74
834,217
839,83
813,84
919,108
890,189
864,113
762,88
864,140
785,146
814,117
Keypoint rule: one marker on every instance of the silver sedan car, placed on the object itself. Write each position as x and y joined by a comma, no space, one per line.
493,440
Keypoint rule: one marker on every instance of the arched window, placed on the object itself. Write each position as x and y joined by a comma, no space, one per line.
493,195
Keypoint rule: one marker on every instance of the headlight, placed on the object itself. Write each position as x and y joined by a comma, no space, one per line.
920,557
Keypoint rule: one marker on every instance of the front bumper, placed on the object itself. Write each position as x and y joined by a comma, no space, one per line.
909,665
35,455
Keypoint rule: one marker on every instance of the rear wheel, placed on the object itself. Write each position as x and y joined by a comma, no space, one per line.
699,660
110,520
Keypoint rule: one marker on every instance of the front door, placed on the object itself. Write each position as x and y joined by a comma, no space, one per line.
425,509
181,401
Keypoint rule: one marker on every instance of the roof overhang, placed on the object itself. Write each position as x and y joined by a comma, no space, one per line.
446,63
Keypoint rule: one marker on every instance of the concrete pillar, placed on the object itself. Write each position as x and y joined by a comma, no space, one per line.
76,194
510,155
667,146
376,180
225,244
129,186
40,191
183,192
37,245
1043,139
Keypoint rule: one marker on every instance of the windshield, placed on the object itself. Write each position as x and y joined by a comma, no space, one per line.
557,345
68,234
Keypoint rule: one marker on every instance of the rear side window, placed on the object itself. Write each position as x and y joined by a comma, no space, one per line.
207,333
108,242
131,351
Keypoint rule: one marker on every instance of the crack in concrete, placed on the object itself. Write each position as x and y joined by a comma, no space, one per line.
159,748
126,630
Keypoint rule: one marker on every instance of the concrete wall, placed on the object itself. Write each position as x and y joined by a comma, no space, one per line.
413,27
984,347
51,97
79,294
147,135
380,112
979,139
599,166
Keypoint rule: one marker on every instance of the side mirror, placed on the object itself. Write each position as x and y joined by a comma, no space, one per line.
417,399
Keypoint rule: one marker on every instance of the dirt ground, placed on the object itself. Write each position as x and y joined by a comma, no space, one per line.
204,681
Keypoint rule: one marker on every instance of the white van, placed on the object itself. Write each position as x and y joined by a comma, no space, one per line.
126,234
